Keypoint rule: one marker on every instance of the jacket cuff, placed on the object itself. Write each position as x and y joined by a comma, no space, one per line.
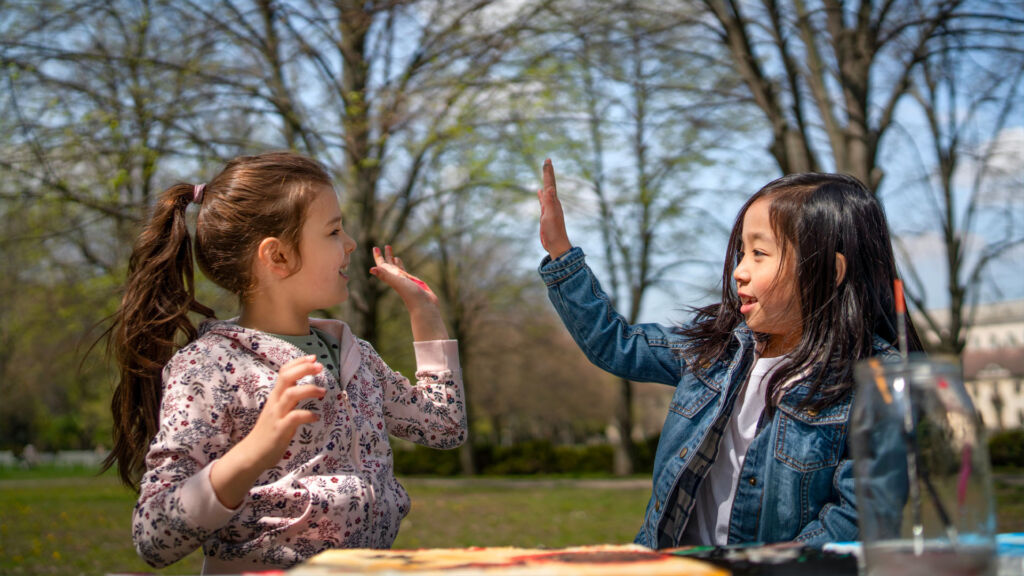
557,270
200,502
437,355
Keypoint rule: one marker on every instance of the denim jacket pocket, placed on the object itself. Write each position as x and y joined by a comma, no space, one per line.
691,396
808,440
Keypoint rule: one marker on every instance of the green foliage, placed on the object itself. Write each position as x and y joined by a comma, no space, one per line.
1006,449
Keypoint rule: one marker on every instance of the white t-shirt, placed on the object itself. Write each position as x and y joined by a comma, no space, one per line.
709,521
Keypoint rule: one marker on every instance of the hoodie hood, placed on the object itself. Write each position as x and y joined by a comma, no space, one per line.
277,352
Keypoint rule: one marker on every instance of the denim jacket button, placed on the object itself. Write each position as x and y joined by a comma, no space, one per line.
682,453
753,481
657,505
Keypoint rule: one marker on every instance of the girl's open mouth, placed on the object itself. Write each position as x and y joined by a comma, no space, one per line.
747,304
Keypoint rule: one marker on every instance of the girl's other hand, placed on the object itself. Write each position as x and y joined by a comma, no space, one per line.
279,419
553,236
236,472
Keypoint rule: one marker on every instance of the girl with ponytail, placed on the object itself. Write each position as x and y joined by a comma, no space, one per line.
263,438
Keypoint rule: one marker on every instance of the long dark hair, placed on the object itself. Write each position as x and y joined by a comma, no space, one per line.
815,216
253,198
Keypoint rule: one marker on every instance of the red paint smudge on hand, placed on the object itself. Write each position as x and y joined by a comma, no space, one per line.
423,285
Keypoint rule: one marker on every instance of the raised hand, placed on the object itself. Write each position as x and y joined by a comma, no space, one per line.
419,299
553,236
236,472
391,271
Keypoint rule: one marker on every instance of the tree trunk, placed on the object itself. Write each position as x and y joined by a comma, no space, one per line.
624,455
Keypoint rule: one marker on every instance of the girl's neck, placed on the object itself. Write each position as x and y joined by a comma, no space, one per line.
273,321
779,345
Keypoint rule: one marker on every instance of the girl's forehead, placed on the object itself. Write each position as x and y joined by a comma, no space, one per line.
326,199
757,221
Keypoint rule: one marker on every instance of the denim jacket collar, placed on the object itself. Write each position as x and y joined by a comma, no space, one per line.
716,378
710,373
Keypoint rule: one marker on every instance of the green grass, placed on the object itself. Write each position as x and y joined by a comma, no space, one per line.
61,522
77,525
81,524
514,513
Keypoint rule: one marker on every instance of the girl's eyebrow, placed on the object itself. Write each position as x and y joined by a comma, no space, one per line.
333,221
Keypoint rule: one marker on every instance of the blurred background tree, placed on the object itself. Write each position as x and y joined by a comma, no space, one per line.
434,116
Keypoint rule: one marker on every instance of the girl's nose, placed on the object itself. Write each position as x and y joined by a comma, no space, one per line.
350,244
740,273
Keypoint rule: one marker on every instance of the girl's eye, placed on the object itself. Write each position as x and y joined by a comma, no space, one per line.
759,253
336,231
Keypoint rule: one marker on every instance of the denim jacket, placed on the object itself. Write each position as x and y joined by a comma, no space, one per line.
797,479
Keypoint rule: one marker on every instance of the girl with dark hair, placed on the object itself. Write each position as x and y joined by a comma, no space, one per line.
264,438
754,447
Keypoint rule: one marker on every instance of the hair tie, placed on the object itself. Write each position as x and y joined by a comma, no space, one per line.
197,193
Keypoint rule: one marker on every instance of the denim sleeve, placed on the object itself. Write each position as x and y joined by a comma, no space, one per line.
638,352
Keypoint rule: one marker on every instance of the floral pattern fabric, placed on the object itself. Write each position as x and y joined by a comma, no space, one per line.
335,485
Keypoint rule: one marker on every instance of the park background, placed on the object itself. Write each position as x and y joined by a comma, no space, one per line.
433,117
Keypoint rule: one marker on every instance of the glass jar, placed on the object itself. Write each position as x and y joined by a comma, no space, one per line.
923,478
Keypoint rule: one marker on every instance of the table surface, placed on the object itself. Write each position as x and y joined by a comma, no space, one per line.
785,559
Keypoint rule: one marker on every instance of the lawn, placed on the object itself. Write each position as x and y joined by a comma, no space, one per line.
79,524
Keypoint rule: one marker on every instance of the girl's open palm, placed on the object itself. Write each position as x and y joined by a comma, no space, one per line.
553,236
421,302
390,270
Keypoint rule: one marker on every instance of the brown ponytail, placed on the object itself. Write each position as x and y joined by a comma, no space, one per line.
253,198
158,295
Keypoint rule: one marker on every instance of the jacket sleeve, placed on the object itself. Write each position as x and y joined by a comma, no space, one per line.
177,508
431,412
638,352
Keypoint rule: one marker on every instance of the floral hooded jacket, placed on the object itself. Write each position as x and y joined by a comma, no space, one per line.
335,485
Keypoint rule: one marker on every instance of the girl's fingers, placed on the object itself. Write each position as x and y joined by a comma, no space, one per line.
292,396
549,177
297,418
391,270
294,370
385,257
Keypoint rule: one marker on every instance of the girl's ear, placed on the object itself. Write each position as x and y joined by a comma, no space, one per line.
273,256
840,268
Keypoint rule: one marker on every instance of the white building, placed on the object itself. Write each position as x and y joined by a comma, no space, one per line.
995,381
993,363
